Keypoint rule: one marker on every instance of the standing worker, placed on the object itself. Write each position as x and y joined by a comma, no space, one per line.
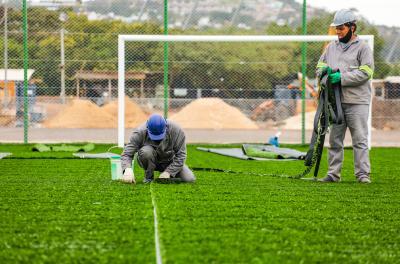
353,58
161,147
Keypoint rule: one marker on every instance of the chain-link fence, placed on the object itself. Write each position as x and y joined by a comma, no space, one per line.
73,62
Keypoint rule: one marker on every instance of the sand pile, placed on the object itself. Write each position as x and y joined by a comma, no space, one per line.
134,115
51,109
81,114
294,122
212,113
311,106
6,119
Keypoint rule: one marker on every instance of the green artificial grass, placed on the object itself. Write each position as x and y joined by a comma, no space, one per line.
63,147
69,210
57,208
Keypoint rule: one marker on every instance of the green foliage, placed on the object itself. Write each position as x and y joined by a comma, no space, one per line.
394,70
230,66
318,25
89,45
275,29
57,209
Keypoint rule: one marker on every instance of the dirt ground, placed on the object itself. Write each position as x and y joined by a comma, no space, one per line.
55,135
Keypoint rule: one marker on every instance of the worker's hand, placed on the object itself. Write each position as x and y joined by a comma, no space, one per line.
128,176
165,175
335,77
327,69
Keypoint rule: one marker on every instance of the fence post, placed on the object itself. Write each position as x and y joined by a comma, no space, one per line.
304,73
166,60
25,37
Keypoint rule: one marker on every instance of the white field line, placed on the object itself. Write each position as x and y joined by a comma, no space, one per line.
156,231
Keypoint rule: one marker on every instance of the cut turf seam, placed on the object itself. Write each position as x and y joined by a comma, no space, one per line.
156,231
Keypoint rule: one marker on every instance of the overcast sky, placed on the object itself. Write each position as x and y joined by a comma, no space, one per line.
382,12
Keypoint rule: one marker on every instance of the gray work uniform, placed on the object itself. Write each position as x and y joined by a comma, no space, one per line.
356,65
168,155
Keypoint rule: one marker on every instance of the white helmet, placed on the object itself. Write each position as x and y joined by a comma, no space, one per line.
343,16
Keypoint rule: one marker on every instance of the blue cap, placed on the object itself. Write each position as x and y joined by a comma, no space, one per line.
156,127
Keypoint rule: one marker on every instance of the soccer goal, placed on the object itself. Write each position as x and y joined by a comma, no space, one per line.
220,48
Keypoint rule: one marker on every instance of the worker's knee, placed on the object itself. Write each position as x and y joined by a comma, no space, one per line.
360,144
146,154
335,142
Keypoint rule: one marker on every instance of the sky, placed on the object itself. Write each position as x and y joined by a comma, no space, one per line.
382,12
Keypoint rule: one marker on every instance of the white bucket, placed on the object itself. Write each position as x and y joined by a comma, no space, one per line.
116,169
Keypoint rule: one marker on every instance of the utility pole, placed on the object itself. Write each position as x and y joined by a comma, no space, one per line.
304,75
393,48
166,89
142,9
26,65
235,15
63,17
5,53
189,17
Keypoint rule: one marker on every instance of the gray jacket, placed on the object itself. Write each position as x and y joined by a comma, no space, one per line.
356,65
171,150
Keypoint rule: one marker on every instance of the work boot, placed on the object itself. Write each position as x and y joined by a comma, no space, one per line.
329,178
364,180
148,176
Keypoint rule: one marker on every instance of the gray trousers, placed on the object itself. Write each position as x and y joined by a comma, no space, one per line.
356,119
147,159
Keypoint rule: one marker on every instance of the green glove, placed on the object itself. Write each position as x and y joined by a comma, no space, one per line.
327,68
334,77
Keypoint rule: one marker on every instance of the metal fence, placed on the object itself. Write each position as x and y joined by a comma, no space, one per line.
243,86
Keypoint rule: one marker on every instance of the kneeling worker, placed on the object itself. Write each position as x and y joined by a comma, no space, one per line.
161,147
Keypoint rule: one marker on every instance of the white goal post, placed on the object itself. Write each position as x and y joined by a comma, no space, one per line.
208,38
